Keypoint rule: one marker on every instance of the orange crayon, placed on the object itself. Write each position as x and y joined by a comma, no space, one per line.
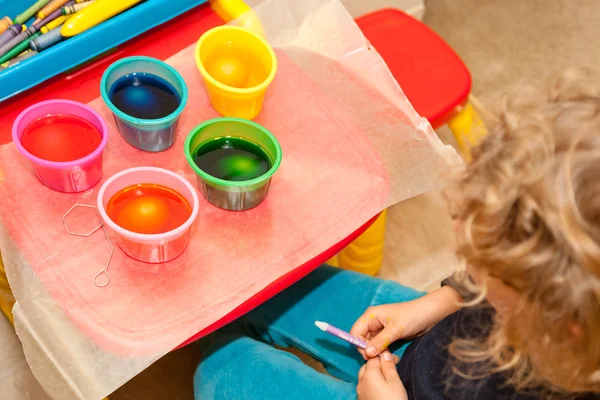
5,23
50,7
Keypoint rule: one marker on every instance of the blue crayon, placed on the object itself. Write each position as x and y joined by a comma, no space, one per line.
49,39
10,33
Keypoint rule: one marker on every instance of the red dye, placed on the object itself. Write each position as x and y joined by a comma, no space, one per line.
148,208
61,138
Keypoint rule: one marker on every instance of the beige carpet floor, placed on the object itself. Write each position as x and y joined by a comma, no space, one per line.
502,42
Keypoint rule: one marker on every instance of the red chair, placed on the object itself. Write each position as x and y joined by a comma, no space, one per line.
436,82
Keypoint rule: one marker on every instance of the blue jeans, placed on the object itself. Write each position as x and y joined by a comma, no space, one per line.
240,362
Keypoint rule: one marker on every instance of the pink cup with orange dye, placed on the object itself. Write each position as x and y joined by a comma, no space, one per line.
72,176
150,248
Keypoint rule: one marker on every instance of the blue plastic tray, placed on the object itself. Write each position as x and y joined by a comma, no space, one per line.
81,48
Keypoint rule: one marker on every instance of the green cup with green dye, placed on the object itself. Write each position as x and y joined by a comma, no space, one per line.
234,160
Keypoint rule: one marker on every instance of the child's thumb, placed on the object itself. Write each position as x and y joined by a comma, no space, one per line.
380,342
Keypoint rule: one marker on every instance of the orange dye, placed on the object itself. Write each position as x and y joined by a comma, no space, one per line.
61,138
148,208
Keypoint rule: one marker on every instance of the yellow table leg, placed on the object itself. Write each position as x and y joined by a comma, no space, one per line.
365,254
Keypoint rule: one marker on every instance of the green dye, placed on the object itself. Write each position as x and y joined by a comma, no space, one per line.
232,159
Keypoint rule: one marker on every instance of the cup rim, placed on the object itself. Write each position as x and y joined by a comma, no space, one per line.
267,175
148,237
260,87
129,118
60,164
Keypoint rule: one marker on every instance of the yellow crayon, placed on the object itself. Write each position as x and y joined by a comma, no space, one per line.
54,23
5,23
98,12
81,1
50,7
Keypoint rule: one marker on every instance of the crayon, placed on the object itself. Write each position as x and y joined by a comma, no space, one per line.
50,7
54,23
5,48
332,330
30,12
82,1
23,56
5,23
10,33
73,8
18,49
43,42
53,15
91,16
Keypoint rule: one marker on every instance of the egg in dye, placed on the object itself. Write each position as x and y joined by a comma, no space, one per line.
148,209
229,70
61,138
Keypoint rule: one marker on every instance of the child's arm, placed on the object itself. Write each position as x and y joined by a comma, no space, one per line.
383,325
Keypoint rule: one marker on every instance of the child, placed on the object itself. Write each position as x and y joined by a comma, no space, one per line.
529,324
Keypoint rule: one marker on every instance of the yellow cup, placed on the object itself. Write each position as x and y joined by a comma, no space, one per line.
237,66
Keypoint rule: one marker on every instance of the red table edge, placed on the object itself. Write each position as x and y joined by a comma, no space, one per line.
280,284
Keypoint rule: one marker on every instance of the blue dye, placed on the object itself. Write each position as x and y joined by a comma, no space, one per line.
143,95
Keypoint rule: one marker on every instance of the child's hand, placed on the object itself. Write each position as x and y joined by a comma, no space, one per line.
379,380
383,325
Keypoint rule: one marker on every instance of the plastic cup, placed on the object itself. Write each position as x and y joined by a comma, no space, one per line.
150,248
251,50
69,176
151,135
233,195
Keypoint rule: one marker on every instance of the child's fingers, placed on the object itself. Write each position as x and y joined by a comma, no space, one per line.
361,351
388,367
380,342
361,371
368,322
373,368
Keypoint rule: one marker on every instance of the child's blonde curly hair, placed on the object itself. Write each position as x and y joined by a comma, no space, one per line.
529,206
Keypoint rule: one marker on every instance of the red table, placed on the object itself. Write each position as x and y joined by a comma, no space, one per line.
162,42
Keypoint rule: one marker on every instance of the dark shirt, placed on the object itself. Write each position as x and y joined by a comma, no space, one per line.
425,367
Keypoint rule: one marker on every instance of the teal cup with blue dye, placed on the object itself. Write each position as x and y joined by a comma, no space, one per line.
146,97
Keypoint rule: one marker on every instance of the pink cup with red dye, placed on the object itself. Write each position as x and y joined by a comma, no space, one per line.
72,176
150,248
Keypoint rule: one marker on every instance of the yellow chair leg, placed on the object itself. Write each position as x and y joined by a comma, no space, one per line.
468,129
365,254
7,300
